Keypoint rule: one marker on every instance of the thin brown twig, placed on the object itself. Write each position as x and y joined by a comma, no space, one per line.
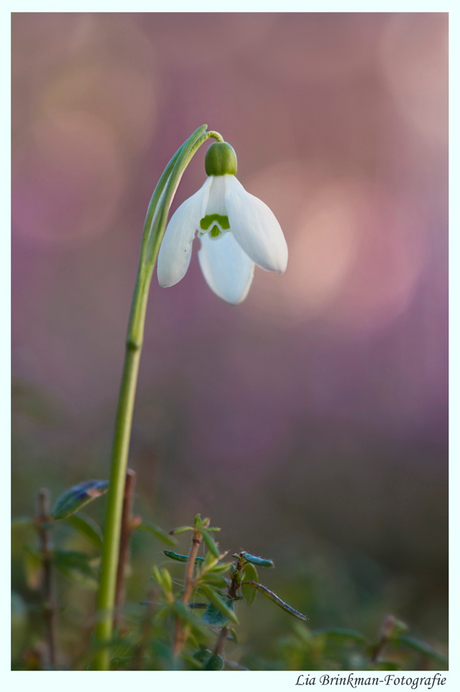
49,604
385,634
220,642
236,578
189,572
127,526
232,593
180,631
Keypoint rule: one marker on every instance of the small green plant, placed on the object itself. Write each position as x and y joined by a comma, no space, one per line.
214,584
190,618
339,648
170,634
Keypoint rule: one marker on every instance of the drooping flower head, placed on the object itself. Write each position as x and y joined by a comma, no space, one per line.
235,228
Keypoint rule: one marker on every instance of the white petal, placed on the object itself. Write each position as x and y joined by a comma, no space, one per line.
255,227
227,269
216,201
176,247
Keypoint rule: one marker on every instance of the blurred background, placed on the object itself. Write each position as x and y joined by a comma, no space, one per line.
310,422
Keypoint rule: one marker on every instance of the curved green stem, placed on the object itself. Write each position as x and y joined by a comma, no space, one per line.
154,228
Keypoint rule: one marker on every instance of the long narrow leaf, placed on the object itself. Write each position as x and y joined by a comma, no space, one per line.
340,633
217,601
88,528
76,497
421,647
261,561
188,616
210,543
216,580
157,532
276,599
249,574
181,558
181,529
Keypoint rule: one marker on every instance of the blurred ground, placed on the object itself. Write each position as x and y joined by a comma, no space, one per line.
311,421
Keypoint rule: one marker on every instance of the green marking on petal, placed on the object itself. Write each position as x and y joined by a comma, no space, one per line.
208,221
215,232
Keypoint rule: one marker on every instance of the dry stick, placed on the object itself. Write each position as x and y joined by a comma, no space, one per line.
180,631
236,578
49,604
221,639
385,634
125,536
232,591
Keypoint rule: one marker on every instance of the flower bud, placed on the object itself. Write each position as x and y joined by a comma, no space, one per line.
220,159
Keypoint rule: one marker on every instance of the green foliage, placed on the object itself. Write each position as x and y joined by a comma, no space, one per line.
340,634
210,543
346,649
276,599
181,558
194,614
76,497
260,561
18,623
88,528
249,575
158,533
215,616
33,568
223,606
77,567
422,648
215,662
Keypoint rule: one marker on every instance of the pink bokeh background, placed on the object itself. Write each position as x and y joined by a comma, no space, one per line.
318,408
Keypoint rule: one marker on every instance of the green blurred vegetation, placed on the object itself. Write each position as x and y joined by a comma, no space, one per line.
201,618
353,604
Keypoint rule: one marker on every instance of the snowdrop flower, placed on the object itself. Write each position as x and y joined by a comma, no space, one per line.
235,228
